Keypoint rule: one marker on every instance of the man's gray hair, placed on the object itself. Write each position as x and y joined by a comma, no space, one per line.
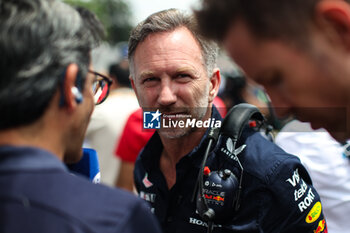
38,40
167,21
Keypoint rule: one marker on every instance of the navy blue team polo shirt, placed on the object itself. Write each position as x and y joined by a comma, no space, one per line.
38,194
277,194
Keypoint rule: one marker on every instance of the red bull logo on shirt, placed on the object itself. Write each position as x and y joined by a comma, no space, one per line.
321,228
212,197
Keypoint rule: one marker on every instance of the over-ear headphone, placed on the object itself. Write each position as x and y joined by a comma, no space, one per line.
219,191
77,94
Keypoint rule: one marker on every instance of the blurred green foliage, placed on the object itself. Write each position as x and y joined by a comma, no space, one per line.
114,14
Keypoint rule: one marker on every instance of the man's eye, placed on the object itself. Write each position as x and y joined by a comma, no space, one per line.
183,77
148,82
149,79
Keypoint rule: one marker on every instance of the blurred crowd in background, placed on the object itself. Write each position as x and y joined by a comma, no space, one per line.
116,133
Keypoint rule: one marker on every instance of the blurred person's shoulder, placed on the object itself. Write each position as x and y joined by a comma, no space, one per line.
50,199
101,208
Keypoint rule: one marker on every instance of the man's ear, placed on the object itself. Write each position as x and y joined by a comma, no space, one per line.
133,85
70,90
337,14
215,81
135,90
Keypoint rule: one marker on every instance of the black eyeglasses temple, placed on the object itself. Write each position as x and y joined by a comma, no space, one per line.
109,80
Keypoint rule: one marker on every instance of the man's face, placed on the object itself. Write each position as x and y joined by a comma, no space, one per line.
170,76
308,84
80,122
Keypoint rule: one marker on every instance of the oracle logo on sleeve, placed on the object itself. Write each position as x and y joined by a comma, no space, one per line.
303,194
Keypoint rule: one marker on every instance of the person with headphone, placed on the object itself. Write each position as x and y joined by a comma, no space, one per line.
198,172
48,90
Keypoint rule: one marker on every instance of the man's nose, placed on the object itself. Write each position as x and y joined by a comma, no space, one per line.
167,95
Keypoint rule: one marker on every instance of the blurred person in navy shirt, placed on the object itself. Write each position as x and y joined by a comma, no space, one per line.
47,94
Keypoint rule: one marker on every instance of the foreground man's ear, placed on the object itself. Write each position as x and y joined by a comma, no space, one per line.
72,95
337,14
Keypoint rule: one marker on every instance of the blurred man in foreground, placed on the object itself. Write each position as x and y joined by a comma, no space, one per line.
47,94
298,50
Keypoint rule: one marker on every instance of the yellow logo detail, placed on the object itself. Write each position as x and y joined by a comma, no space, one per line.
314,213
321,226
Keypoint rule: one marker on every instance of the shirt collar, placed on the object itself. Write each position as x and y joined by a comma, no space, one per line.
13,158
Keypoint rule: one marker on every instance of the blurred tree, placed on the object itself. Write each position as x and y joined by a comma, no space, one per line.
114,14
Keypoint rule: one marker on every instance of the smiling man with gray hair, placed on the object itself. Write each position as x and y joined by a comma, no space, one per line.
175,78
